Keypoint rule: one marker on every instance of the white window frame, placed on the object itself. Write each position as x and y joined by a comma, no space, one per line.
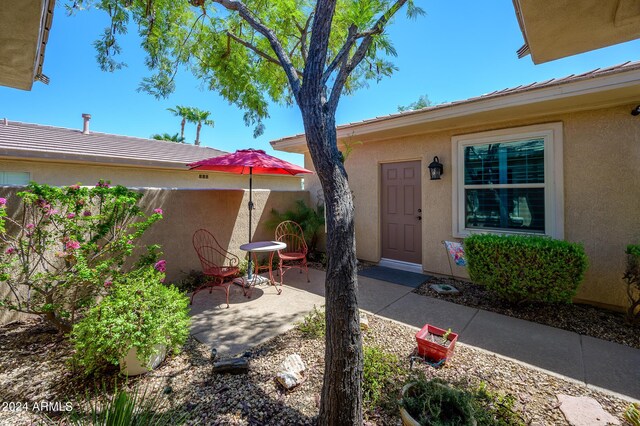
553,176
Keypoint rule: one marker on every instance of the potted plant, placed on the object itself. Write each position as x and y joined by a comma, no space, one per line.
434,402
134,325
435,343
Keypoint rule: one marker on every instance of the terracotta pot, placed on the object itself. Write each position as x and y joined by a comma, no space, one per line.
130,365
435,350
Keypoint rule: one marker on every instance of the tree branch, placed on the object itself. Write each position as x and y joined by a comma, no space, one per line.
255,49
361,52
317,55
283,59
344,51
303,37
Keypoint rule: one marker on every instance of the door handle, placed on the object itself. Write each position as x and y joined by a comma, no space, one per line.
419,217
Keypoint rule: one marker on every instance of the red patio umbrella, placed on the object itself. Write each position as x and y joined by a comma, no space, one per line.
249,161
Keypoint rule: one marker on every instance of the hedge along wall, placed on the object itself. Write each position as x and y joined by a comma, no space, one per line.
223,212
526,268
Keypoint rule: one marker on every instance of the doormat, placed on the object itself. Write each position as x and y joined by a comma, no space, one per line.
396,276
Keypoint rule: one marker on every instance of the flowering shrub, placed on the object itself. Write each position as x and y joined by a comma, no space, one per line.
64,247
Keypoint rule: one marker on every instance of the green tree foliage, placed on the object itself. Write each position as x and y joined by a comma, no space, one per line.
422,102
64,245
199,117
179,111
167,137
302,52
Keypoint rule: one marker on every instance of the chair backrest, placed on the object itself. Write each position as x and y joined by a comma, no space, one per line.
211,254
290,232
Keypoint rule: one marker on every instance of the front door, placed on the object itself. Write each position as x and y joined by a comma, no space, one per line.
401,212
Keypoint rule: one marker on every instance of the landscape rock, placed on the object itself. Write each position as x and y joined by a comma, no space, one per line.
289,380
364,322
293,363
585,411
291,369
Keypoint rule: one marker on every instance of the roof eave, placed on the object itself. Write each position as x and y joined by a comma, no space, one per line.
468,108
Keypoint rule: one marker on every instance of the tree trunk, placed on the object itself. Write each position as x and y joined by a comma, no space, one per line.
198,133
341,402
182,123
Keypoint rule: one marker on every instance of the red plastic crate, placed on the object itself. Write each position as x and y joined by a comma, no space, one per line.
433,350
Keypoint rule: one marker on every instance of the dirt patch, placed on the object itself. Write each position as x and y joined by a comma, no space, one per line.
33,367
582,319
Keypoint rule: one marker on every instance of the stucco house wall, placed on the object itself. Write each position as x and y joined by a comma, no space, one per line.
59,173
601,161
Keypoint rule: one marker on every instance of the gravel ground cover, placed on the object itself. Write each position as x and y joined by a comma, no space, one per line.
583,319
34,368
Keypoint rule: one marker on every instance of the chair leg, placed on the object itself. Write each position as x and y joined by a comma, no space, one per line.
226,290
306,268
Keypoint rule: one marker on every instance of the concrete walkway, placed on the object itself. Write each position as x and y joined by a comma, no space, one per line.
595,362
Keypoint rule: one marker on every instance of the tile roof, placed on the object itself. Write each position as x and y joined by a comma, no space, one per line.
598,72
34,141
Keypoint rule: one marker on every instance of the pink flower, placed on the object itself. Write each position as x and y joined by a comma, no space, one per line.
3,202
103,184
30,226
10,250
72,245
86,213
71,215
130,242
160,266
108,284
157,211
74,187
52,212
62,254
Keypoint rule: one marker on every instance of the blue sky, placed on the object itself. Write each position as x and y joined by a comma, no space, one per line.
460,49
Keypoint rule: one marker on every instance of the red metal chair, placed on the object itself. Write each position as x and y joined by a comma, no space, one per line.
218,265
295,255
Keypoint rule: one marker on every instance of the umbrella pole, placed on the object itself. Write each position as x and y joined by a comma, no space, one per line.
250,266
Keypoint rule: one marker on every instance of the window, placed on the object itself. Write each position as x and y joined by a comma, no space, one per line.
509,181
15,178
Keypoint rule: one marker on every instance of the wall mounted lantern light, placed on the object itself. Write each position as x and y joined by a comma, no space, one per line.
435,169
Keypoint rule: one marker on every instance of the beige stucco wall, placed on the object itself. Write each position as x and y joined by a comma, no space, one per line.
223,212
601,162
56,173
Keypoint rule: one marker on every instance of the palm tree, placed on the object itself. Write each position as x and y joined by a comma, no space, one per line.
200,117
183,112
168,137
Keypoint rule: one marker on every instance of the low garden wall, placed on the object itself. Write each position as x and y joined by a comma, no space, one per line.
223,212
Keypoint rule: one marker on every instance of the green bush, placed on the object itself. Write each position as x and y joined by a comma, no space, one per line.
380,368
526,268
632,279
139,312
314,325
436,403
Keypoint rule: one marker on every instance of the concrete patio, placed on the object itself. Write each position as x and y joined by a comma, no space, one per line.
595,362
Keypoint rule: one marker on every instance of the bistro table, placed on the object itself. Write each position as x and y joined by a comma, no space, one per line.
260,247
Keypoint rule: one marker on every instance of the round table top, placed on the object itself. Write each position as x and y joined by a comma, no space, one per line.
263,246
